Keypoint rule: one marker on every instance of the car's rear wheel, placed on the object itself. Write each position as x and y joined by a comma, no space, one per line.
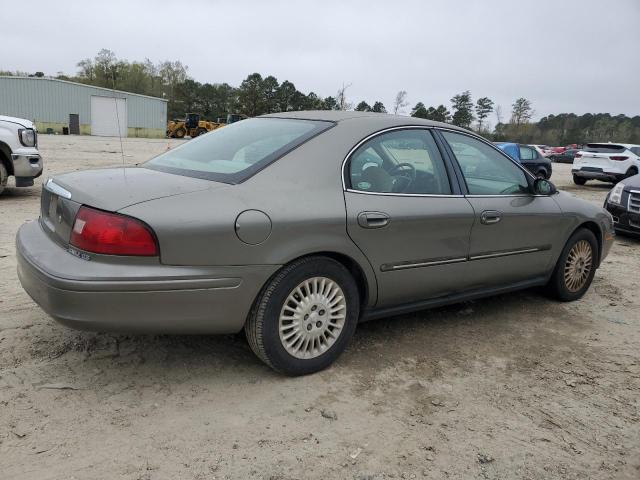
305,316
576,267
4,177
579,180
631,172
542,173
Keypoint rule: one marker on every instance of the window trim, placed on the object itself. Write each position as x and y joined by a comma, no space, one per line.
463,183
452,176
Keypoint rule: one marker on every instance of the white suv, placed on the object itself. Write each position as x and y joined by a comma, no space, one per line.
19,154
608,162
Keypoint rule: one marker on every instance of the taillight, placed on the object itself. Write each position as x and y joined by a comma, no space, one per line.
112,234
620,158
578,155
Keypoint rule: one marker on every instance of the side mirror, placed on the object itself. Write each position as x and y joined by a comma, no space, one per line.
544,187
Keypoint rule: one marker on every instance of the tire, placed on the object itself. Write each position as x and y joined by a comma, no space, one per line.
272,328
180,133
542,173
579,180
631,172
4,177
582,245
201,131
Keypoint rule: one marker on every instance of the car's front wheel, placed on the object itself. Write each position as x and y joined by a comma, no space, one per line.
576,267
4,177
305,316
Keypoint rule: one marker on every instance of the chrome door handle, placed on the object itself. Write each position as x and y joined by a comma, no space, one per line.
489,217
373,219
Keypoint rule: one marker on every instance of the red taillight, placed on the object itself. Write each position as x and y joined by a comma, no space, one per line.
620,158
578,155
112,234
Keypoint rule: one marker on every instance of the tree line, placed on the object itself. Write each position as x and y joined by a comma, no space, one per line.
258,94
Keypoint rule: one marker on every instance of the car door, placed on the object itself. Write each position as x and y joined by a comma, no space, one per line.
407,216
514,230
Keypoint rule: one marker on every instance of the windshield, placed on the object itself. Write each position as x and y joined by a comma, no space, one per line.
233,153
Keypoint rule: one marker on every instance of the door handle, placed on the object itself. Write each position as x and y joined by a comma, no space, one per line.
373,219
489,217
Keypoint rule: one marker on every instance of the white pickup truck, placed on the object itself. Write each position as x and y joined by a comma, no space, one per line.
19,154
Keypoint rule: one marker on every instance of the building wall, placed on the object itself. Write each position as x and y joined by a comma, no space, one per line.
49,102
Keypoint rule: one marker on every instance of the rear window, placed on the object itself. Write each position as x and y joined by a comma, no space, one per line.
233,153
604,148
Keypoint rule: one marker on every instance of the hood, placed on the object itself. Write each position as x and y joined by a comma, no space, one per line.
113,189
20,121
632,182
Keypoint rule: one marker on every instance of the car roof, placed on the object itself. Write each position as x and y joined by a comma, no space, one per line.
341,116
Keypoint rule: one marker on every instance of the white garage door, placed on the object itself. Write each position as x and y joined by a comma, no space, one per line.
106,114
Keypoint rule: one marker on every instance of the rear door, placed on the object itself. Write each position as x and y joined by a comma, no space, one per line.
515,232
407,216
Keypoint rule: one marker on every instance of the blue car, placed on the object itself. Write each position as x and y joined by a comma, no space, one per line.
529,157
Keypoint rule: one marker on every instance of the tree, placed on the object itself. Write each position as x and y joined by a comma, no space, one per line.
521,112
400,102
341,98
484,106
270,88
419,111
439,114
462,109
363,107
250,95
286,96
330,103
378,107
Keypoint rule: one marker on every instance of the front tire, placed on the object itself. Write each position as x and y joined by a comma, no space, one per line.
579,180
4,177
304,318
576,267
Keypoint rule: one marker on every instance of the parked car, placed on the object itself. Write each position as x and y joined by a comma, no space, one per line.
566,156
529,157
298,225
623,202
608,162
19,156
543,150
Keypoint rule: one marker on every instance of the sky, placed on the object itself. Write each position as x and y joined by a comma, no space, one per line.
563,55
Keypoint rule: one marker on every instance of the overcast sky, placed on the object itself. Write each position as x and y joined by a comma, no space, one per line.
565,56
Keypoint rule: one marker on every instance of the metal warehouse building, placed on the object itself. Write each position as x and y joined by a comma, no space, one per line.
54,104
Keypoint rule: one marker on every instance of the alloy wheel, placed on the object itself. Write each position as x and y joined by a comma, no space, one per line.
578,266
312,317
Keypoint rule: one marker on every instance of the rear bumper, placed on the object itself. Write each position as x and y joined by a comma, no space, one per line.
148,298
595,173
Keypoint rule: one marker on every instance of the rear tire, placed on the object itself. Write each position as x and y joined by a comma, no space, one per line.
575,268
4,177
180,133
631,172
579,180
542,173
201,131
305,316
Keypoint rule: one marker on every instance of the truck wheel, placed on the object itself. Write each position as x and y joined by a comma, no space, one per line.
202,131
305,316
180,133
4,177
575,268
579,180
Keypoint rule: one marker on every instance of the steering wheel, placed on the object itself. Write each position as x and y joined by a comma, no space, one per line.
403,173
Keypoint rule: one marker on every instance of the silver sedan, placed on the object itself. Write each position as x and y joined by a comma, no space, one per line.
296,226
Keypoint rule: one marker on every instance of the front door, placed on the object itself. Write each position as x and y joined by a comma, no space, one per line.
515,231
407,217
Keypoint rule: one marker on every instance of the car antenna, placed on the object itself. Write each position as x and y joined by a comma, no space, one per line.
115,99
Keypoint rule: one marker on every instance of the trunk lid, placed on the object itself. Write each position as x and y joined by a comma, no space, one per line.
109,189
599,154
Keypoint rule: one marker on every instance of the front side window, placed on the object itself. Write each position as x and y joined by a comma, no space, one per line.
233,153
402,161
486,171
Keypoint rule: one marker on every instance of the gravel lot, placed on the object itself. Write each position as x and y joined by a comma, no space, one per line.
516,386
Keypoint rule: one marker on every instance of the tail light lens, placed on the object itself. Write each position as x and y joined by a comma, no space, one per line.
112,234
620,158
578,155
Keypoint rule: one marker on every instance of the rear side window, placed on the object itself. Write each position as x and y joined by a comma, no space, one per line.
401,161
527,153
233,153
636,150
604,148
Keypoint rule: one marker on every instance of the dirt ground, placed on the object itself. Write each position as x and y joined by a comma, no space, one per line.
516,386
